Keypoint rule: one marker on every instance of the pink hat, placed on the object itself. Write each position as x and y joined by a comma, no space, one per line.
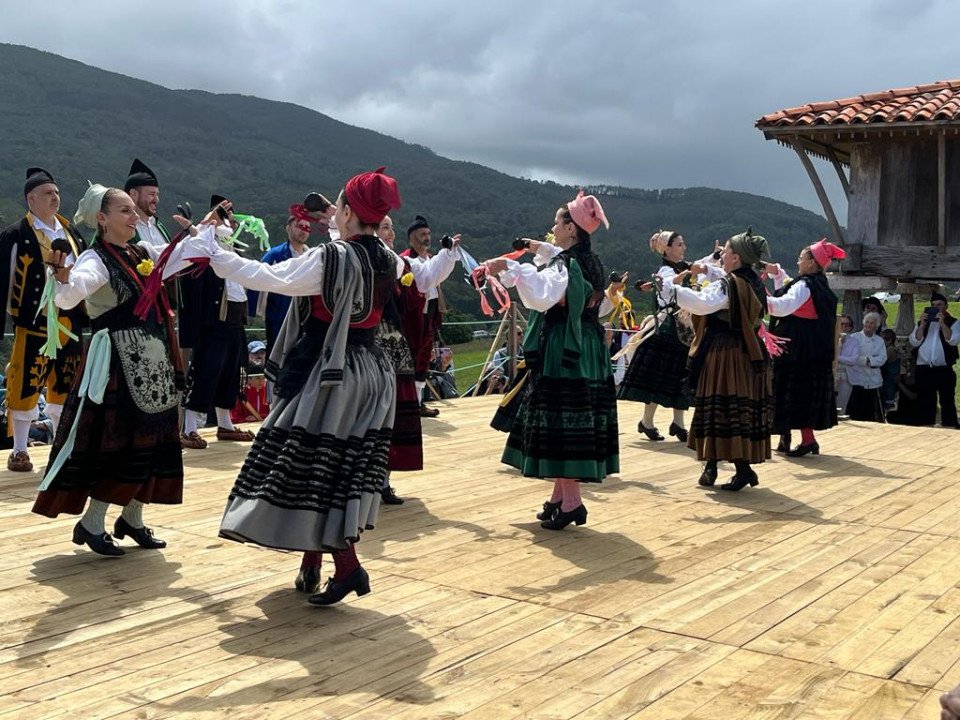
825,253
587,212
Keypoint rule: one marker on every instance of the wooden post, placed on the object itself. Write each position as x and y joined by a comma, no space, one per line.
905,317
941,192
840,173
821,193
493,348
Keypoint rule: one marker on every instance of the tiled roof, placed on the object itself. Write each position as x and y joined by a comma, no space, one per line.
923,103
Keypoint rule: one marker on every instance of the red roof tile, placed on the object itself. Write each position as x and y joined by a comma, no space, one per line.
923,103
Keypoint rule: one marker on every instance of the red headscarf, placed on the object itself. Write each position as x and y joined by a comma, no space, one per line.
825,253
372,195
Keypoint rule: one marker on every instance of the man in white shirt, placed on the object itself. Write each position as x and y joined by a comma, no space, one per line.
935,340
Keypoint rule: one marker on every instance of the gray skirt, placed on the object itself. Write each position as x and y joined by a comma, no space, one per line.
312,479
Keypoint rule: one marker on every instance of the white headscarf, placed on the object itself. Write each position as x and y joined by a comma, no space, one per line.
90,204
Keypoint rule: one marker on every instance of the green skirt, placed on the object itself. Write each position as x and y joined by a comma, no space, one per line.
566,426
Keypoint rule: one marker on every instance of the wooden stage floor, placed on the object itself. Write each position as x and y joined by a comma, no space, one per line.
831,591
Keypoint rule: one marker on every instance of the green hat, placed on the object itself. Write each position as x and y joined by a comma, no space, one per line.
751,248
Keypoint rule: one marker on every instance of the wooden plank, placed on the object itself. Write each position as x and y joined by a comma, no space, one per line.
910,261
821,193
841,175
941,192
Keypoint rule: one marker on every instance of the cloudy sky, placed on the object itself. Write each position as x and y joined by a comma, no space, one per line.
646,93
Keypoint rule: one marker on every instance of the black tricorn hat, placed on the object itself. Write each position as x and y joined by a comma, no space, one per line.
140,176
35,178
418,222
871,299
216,200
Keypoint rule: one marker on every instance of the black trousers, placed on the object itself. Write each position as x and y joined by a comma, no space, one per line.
936,383
214,377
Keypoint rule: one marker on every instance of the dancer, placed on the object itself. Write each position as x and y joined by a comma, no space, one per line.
118,441
732,417
25,246
804,311
566,426
406,443
658,371
313,478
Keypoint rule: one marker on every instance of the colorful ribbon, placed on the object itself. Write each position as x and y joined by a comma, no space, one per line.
254,226
54,326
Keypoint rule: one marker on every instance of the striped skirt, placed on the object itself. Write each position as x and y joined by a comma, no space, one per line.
313,477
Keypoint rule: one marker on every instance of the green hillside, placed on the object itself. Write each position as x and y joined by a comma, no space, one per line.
83,123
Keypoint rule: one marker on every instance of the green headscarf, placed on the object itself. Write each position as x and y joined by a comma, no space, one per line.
751,248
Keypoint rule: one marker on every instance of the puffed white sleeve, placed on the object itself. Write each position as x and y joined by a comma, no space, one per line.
705,302
298,276
177,259
538,290
545,253
791,301
433,271
87,275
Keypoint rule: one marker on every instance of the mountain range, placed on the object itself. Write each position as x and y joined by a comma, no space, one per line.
82,123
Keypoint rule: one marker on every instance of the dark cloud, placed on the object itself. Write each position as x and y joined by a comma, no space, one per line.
642,94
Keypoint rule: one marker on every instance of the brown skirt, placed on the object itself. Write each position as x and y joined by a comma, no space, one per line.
733,406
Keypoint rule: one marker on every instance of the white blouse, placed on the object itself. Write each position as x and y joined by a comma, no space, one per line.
870,350
429,273
792,300
539,290
88,274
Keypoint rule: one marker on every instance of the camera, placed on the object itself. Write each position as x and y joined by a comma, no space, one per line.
316,203
446,242
521,243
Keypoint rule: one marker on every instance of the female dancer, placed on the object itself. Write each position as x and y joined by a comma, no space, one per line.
805,312
566,426
313,478
118,440
732,415
658,371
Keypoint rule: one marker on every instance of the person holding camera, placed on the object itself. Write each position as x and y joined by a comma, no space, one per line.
566,425
935,341
729,363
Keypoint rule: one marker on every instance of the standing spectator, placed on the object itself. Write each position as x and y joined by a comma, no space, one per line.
936,354
891,368
863,372
872,304
846,356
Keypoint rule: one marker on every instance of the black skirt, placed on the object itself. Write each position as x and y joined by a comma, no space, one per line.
658,370
805,395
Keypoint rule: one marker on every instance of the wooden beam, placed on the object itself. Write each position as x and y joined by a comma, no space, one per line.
941,192
840,173
909,263
821,193
861,282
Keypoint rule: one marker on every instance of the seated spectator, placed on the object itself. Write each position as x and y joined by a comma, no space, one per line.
908,410
863,373
252,404
41,429
847,355
441,375
257,350
891,368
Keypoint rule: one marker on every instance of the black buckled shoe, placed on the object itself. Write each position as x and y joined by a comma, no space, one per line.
143,536
549,510
739,481
678,432
100,544
801,450
651,432
358,581
389,497
561,519
308,579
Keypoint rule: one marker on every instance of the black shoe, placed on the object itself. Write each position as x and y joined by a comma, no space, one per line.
143,536
561,519
390,497
428,411
739,481
100,544
802,450
678,432
651,433
709,475
549,510
358,581
783,447
308,579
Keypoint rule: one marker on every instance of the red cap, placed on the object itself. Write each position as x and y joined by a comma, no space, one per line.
372,195
825,253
